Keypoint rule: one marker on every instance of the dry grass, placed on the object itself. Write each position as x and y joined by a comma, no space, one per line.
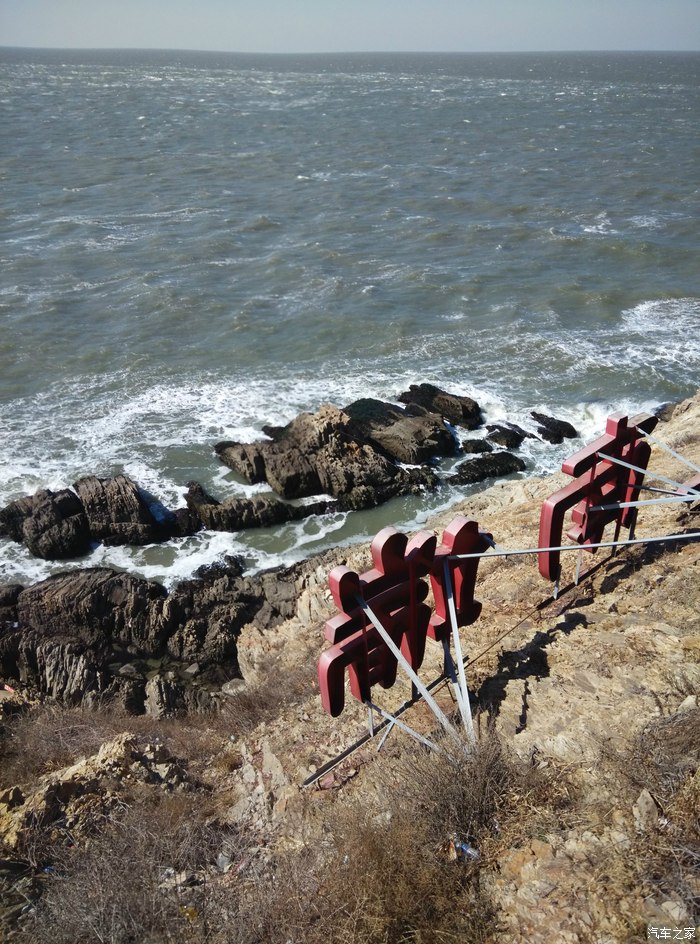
49,737
664,759
143,878
380,872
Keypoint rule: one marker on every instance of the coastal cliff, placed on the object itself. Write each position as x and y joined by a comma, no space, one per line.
575,820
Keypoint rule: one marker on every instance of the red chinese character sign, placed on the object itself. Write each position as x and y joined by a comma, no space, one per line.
395,589
602,476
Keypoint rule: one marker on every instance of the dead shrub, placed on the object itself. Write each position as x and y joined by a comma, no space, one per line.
378,880
146,877
257,704
49,737
664,758
478,795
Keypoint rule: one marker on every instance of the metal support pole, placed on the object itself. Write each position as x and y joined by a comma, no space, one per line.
386,734
652,475
451,673
691,465
404,727
646,501
370,720
693,535
406,666
464,708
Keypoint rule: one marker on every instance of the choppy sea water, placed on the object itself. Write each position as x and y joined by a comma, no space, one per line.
196,245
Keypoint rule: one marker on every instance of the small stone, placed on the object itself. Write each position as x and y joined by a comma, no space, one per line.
646,813
675,910
688,704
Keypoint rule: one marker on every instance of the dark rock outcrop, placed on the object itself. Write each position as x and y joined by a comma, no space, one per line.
53,525
411,436
348,453
234,514
117,511
553,430
97,634
489,466
97,606
8,604
473,446
462,411
507,435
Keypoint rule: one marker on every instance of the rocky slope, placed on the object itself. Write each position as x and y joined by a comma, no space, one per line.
597,689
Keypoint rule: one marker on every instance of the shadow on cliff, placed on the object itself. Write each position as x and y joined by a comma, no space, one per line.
530,661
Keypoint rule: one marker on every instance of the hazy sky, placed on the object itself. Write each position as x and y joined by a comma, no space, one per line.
353,25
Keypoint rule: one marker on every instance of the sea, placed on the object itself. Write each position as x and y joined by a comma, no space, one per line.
194,245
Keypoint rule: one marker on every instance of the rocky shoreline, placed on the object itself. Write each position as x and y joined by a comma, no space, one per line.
596,692
95,636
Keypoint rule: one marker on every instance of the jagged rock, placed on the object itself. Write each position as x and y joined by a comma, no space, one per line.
473,446
404,436
315,453
53,525
462,411
553,430
62,670
123,693
97,605
8,605
488,466
83,794
508,435
61,525
13,516
165,696
234,514
211,609
117,511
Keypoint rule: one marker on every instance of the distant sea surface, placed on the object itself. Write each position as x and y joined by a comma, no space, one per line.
195,245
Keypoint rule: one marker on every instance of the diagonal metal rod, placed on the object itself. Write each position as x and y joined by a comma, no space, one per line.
659,491
404,727
464,708
408,669
647,472
693,535
663,445
645,501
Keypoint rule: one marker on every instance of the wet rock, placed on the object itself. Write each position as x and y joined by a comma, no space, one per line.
405,436
507,435
462,411
117,511
494,465
553,430
234,514
247,459
331,453
53,525
473,446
